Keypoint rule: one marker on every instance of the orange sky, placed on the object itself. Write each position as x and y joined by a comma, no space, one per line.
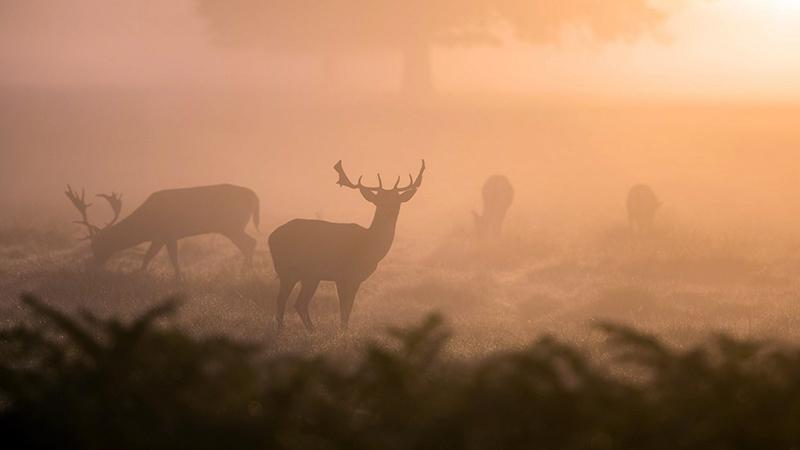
722,49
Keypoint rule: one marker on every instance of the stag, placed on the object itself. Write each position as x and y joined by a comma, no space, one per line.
310,251
169,215
497,197
642,206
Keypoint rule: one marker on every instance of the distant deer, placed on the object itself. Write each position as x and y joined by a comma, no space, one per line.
310,251
498,194
169,215
642,206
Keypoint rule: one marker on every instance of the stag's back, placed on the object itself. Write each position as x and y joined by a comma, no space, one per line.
317,249
198,210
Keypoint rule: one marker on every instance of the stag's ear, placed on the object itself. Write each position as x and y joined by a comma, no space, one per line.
368,195
407,195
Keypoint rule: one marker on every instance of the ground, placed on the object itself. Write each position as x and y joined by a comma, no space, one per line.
495,295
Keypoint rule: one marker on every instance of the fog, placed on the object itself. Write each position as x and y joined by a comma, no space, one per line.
593,241
695,99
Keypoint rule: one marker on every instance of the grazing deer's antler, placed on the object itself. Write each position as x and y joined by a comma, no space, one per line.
115,200
79,201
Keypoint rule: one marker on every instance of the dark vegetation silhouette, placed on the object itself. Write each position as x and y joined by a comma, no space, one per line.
335,28
498,194
642,205
310,251
170,215
82,382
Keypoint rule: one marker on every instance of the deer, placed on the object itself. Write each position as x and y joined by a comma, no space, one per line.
642,205
309,251
498,194
169,215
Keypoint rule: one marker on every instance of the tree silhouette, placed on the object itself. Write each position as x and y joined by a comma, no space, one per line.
333,27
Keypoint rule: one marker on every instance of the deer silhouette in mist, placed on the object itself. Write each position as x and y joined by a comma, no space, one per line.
642,206
498,194
169,215
310,251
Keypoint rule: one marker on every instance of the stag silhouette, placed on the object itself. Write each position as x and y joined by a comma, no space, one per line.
169,215
310,251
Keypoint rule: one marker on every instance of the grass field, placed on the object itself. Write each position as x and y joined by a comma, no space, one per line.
724,256
494,295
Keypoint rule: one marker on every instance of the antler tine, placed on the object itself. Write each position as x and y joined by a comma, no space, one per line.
415,184
380,182
115,201
79,202
345,181
396,183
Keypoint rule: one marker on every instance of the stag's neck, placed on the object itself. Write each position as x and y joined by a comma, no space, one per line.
381,231
122,235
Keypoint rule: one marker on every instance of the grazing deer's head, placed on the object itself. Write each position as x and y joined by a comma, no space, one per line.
383,199
94,233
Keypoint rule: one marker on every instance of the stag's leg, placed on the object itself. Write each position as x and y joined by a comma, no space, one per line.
245,243
347,294
155,247
287,286
307,290
172,249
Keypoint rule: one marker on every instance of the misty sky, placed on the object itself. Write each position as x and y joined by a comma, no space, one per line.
718,49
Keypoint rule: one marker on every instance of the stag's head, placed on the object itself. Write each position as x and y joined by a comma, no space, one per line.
95,234
389,199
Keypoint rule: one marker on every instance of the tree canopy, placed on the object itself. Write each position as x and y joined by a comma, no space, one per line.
413,26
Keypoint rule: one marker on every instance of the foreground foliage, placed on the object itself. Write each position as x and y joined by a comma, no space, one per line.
88,383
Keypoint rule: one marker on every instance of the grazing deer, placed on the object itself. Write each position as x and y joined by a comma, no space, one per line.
642,206
497,197
169,215
310,251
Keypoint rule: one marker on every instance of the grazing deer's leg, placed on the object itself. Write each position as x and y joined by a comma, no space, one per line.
172,249
307,290
283,295
347,294
245,243
155,247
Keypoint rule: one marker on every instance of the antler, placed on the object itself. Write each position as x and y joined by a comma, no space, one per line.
115,201
79,201
80,204
412,183
345,181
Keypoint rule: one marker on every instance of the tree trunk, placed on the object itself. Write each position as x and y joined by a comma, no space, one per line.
417,70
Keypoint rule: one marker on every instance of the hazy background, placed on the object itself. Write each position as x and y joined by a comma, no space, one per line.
575,101
137,95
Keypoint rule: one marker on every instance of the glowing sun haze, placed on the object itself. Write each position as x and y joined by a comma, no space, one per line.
719,49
